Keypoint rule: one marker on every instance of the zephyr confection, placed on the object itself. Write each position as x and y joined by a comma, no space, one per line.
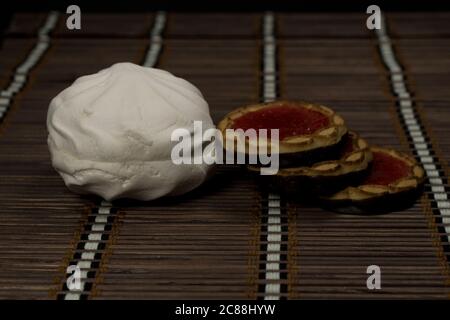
110,133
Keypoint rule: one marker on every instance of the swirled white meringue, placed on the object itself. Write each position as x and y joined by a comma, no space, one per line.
109,133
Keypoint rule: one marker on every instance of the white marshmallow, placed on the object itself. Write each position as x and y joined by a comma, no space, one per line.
109,133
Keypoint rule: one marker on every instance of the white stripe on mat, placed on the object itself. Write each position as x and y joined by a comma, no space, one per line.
90,248
411,121
19,78
272,268
156,41
95,235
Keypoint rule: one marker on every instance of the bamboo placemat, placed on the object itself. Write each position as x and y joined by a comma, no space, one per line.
216,242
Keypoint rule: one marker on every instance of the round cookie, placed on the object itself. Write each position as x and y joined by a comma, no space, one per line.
325,177
308,133
394,182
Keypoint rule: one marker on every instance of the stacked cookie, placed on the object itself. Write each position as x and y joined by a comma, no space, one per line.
320,159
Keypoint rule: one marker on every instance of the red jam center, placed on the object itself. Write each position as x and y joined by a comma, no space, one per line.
386,169
291,121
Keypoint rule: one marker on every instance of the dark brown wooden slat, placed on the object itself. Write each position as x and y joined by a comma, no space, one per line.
213,25
109,25
321,25
419,25
25,23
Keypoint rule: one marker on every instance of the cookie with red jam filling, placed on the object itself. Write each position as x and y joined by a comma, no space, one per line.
325,177
394,182
308,133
